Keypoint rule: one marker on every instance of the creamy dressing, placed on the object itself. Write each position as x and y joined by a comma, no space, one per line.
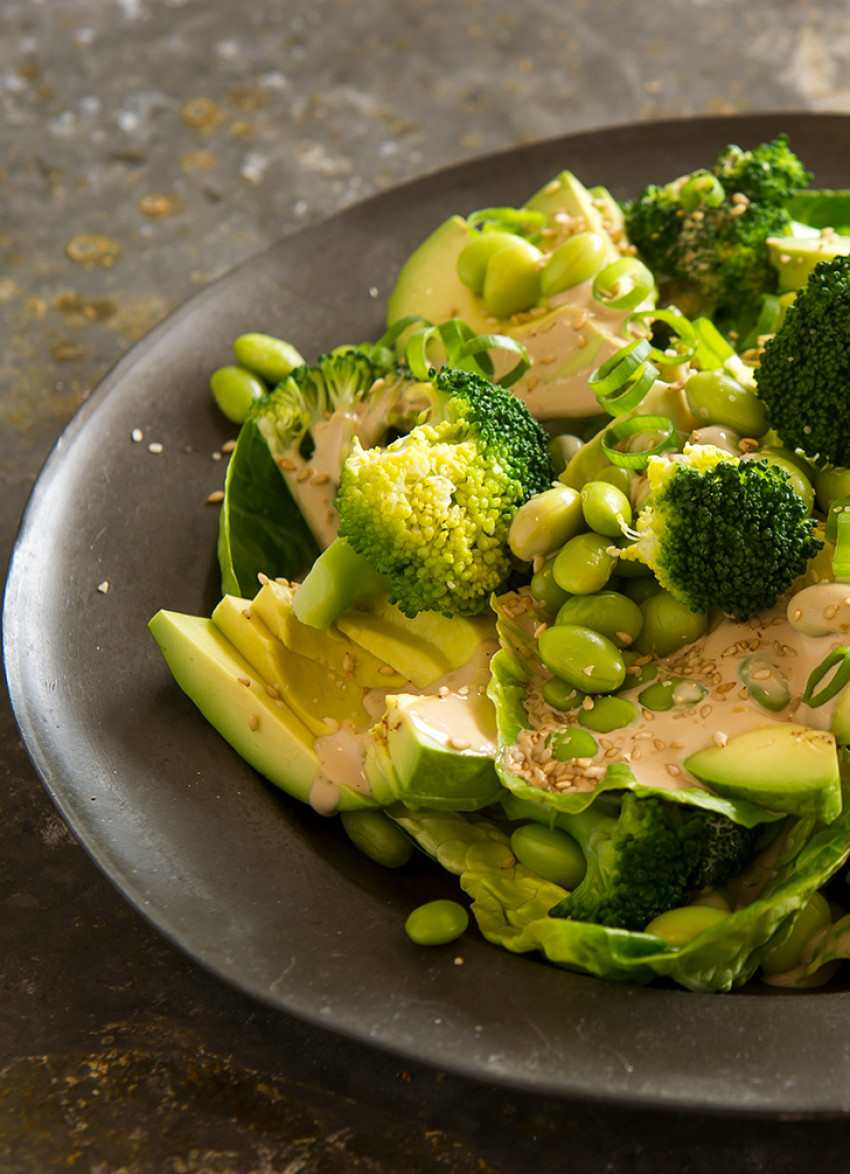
564,346
453,720
444,714
657,743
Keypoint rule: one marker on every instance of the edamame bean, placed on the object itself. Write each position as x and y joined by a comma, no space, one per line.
609,713
606,508
436,923
765,681
473,258
569,744
813,917
582,658
624,479
512,279
664,695
680,926
668,625
639,674
641,587
545,522
578,259
561,695
830,484
609,612
377,837
584,564
545,590
551,854
235,389
269,357
716,398
562,449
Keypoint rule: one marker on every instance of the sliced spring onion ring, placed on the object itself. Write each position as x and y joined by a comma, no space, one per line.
622,381
838,659
636,426
465,350
701,188
522,221
623,284
684,341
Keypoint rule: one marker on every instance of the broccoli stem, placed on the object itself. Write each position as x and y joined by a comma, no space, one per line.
338,579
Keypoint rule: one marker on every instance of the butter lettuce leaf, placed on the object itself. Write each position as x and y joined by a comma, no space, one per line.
512,670
511,904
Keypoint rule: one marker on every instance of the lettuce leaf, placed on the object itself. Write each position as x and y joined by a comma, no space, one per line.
510,904
512,669
260,528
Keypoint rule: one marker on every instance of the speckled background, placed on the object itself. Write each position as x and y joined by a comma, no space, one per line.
146,147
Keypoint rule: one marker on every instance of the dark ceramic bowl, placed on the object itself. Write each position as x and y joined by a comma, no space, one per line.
262,892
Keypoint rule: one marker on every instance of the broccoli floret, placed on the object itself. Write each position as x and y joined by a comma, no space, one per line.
649,857
804,370
722,532
427,518
313,417
707,231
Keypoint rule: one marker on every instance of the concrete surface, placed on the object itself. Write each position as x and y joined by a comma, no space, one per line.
147,146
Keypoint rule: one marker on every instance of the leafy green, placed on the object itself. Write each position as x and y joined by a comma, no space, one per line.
260,528
510,904
512,669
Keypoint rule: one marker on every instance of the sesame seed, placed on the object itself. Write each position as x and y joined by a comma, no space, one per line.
272,690
103,587
386,670
155,447
137,436
228,446
215,497
246,612
246,681
253,723
672,769
331,723
719,738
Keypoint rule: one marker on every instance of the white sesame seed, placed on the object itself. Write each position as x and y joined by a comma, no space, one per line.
103,587
155,447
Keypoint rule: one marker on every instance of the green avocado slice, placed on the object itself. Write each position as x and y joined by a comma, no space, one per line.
329,647
312,691
434,753
428,285
262,729
783,767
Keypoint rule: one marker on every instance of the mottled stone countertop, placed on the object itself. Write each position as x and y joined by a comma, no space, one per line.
146,147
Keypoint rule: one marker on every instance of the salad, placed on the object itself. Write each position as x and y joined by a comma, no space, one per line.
551,583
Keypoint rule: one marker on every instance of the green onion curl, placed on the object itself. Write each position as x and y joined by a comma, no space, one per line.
838,659
637,426
622,381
